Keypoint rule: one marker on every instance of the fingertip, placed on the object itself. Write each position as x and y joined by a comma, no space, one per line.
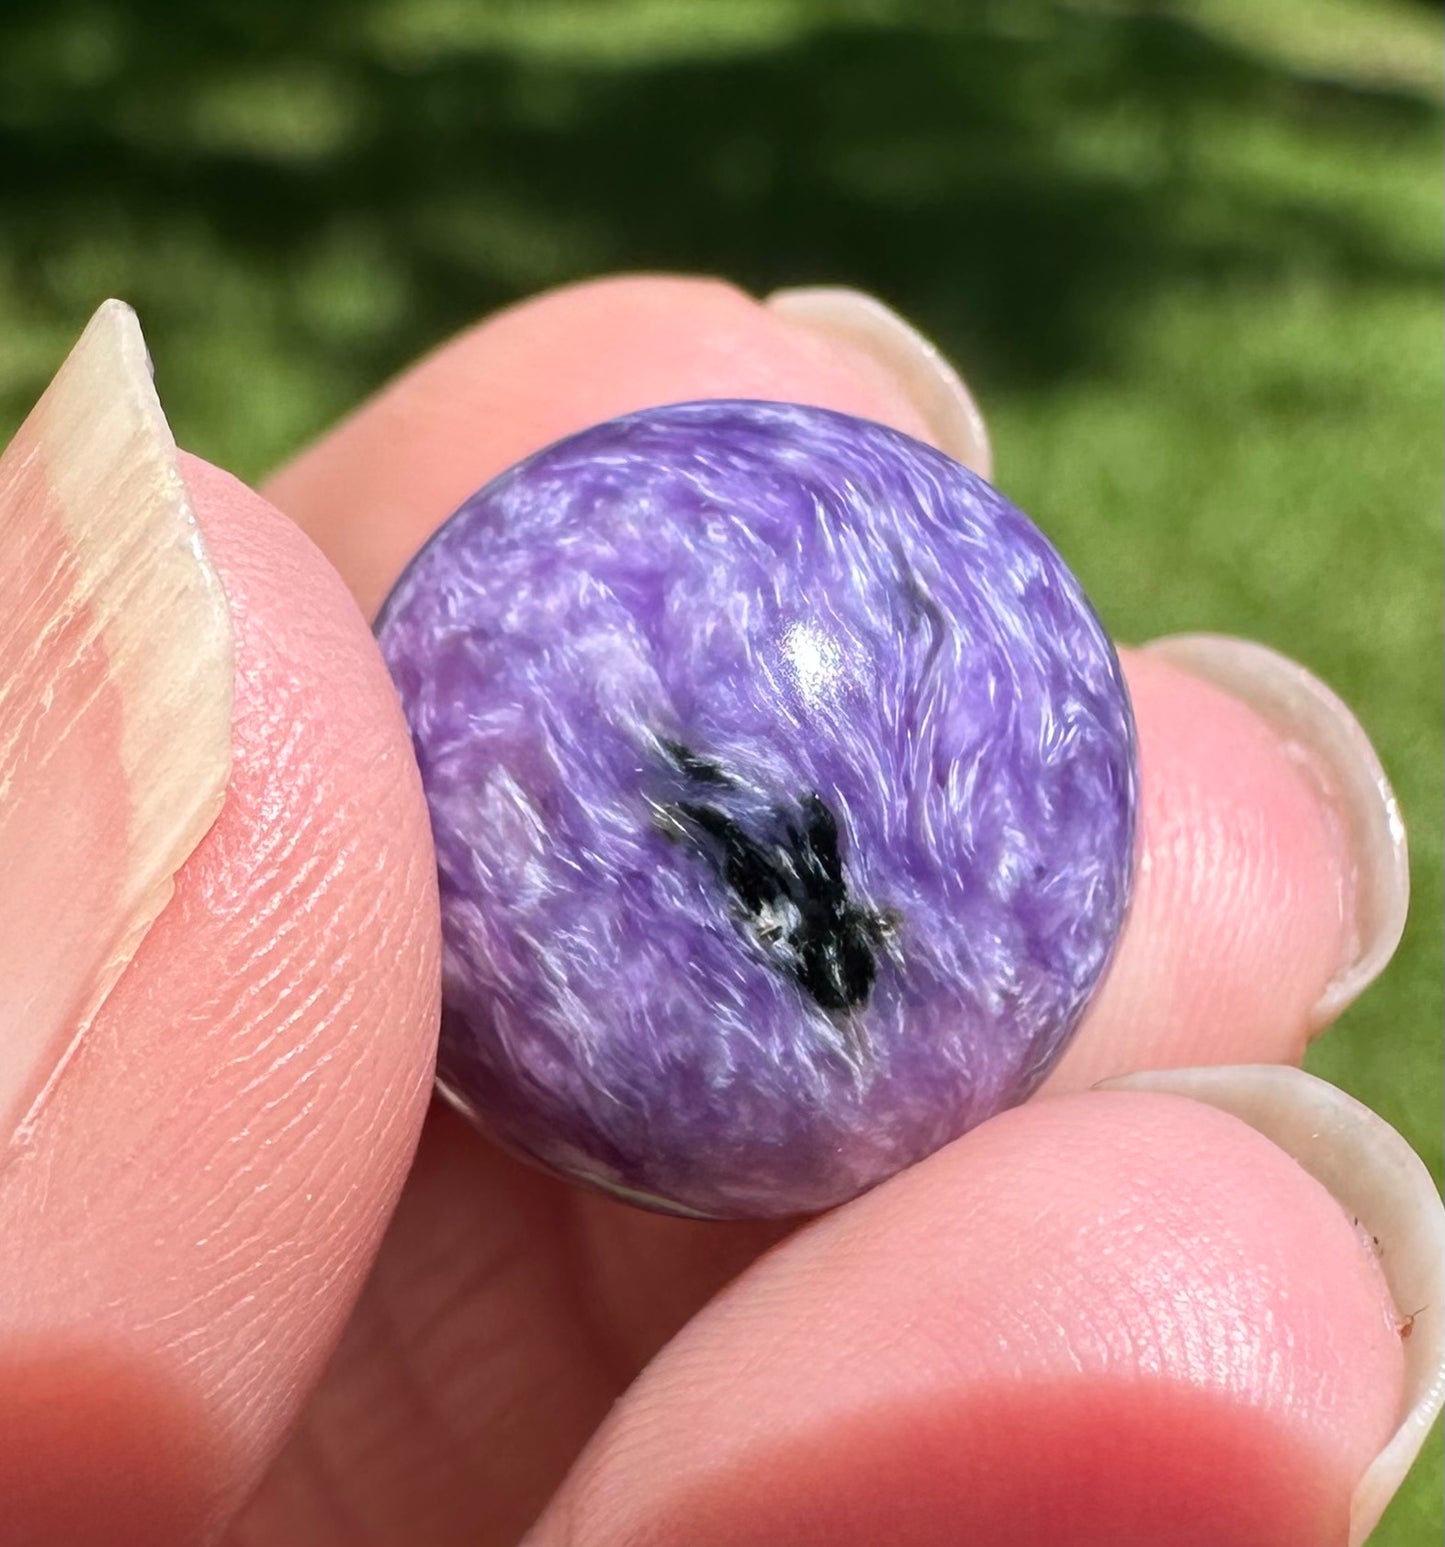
1239,919
372,490
1087,1322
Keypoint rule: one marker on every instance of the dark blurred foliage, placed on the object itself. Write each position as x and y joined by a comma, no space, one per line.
440,163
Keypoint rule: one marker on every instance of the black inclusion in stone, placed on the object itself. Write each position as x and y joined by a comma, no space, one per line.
782,865
691,766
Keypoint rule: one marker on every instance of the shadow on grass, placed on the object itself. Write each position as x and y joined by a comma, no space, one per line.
1015,174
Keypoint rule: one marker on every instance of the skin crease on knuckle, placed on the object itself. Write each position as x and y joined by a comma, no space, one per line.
230,1139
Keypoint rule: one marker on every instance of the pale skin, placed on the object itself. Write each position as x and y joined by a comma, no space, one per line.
275,1296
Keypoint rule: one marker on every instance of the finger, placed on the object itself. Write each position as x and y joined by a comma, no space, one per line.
204,1189
1256,816
1104,1318
374,489
1273,878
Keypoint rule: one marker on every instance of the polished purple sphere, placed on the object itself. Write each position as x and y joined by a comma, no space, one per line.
783,785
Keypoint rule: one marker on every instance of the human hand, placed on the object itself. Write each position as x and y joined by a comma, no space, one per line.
1112,1317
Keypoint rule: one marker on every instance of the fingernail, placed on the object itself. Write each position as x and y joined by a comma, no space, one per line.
1384,1186
937,390
115,700
1324,735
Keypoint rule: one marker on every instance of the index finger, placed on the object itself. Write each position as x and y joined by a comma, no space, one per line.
1273,879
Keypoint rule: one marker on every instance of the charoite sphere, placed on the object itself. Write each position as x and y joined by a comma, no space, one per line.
783,787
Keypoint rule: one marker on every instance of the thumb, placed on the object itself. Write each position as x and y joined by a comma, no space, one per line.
190,1215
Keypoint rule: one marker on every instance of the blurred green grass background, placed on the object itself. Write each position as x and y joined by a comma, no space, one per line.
1188,254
